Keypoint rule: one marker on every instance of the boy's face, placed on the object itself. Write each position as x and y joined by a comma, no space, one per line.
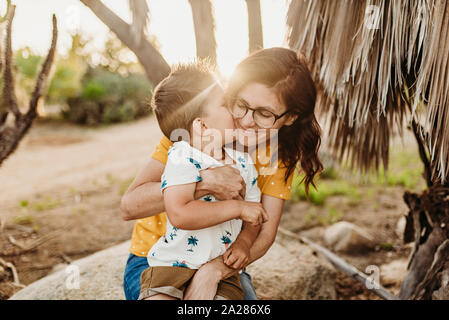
217,117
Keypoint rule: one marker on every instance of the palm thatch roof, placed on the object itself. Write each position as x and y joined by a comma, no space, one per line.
380,65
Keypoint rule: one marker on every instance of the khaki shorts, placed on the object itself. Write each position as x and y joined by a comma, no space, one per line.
173,281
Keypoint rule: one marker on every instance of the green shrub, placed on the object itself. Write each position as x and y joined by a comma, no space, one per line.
65,83
108,97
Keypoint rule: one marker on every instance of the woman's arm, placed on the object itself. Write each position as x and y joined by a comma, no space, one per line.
204,283
144,198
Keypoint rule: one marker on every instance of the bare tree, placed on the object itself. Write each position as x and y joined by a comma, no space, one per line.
133,36
255,33
382,66
12,133
203,20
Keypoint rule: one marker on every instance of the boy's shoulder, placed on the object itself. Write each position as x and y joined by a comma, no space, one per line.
183,152
180,148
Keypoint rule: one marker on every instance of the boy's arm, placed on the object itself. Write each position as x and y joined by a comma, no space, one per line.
238,255
186,213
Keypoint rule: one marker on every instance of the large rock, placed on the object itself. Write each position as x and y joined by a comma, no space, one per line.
288,271
345,236
394,272
292,271
100,277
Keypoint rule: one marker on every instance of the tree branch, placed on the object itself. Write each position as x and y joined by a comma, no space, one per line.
43,75
156,68
343,266
9,95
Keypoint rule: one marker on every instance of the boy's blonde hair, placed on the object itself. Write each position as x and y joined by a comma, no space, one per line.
180,98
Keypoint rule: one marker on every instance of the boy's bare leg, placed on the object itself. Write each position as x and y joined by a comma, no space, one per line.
161,296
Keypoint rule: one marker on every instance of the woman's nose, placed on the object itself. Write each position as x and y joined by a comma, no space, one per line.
248,121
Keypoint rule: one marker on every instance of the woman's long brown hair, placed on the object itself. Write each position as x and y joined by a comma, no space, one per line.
286,72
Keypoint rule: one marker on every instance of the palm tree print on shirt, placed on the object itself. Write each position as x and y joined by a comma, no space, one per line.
225,239
242,162
196,163
192,242
173,233
180,264
254,181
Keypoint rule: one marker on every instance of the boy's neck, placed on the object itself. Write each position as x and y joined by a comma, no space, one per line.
216,152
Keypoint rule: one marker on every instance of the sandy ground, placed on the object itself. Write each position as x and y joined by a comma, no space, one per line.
61,190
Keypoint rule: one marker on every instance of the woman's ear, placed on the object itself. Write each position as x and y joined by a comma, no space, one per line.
291,119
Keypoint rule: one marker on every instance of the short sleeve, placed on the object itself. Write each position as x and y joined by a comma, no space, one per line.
275,185
252,190
160,153
181,167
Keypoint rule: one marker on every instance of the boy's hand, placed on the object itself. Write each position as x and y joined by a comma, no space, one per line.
253,213
237,256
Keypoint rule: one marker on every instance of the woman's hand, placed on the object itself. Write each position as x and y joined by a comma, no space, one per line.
204,283
224,183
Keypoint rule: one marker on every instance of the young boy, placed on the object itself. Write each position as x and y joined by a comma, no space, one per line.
189,103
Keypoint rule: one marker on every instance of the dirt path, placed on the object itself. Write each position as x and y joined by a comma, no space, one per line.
55,156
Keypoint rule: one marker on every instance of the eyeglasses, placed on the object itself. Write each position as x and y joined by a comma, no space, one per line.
262,117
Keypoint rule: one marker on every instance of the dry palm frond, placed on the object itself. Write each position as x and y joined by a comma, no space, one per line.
363,62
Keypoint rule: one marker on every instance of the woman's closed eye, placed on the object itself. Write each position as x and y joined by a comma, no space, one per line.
265,113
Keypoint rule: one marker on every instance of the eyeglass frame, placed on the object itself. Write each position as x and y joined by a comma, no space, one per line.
276,117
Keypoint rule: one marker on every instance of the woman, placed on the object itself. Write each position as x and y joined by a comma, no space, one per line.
270,91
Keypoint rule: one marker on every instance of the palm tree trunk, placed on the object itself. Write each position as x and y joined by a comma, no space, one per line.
428,225
254,25
155,66
203,20
428,220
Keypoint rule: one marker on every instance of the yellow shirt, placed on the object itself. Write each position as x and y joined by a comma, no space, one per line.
148,230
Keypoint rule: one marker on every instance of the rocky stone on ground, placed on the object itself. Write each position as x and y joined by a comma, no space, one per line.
288,271
293,271
347,237
394,272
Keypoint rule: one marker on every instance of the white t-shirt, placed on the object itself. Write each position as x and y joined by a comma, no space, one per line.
193,248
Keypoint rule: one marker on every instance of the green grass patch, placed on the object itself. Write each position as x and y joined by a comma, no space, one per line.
325,189
386,246
47,203
332,216
23,219
404,169
24,203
